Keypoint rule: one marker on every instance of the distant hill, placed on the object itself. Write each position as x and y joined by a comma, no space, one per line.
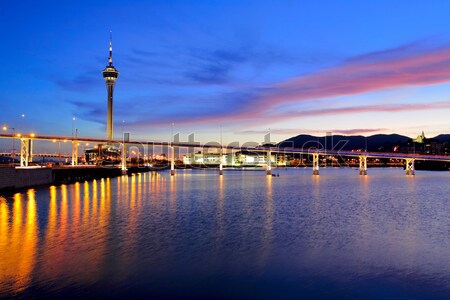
378,142
443,138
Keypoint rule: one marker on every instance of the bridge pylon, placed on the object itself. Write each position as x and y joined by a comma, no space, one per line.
315,163
25,150
74,153
221,161
172,161
124,159
269,163
363,165
409,169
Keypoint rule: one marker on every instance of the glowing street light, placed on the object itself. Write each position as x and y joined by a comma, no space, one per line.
73,120
59,149
5,128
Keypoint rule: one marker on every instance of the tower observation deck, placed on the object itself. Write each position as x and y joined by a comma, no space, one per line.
110,75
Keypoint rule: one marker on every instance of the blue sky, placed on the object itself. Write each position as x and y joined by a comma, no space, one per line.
349,67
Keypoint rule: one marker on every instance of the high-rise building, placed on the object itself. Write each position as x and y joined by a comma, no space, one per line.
110,75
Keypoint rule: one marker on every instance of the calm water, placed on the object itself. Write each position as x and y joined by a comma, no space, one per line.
242,236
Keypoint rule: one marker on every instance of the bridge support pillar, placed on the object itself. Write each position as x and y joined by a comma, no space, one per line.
124,159
315,164
172,161
269,163
221,161
74,153
410,166
30,150
363,165
25,145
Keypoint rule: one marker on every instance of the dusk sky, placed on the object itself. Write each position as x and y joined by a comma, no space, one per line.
349,67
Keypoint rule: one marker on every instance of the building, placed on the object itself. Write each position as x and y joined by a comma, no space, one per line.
240,158
420,139
110,75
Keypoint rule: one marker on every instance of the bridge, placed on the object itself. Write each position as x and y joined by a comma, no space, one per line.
26,152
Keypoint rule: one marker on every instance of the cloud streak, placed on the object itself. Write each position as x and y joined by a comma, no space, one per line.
295,131
398,67
409,65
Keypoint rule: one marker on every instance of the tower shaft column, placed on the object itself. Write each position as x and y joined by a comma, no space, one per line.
110,75
109,121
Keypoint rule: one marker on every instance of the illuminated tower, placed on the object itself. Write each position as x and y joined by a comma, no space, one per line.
110,75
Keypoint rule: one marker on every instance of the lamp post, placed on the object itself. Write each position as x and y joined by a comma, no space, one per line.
59,149
13,133
365,148
73,120
22,123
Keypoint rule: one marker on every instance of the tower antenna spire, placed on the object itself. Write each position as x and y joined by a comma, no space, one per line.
110,48
110,75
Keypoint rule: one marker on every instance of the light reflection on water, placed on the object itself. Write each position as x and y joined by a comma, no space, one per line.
241,235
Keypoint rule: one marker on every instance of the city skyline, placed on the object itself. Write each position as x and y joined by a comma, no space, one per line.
294,67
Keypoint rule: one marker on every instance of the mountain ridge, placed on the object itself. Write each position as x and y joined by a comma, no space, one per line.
377,142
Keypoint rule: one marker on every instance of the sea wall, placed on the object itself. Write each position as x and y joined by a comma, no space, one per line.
15,178
80,173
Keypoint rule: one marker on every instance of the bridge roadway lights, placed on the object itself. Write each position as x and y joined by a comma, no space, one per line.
409,166
315,164
363,165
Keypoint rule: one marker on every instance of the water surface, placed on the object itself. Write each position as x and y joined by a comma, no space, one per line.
240,236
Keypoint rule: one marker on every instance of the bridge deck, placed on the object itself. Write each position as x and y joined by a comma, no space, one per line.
287,150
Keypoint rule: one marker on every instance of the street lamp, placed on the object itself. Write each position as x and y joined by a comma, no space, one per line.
73,120
5,128
365,139
59,149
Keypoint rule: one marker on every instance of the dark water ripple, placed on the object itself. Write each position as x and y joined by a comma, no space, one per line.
242,236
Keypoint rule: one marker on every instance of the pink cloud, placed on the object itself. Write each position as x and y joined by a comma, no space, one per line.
392,68
293,131
367,109
371,73
275,117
